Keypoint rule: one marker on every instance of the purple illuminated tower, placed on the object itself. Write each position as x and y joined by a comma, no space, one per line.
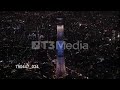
60,63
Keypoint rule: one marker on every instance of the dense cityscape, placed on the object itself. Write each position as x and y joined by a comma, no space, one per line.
99,29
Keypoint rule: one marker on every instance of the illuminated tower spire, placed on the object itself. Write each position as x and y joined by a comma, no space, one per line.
60,63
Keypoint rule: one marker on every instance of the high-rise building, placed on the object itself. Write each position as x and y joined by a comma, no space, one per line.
60,63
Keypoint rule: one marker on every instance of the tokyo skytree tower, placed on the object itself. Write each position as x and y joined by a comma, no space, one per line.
60,63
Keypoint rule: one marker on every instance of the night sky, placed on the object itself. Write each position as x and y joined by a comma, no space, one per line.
100,29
